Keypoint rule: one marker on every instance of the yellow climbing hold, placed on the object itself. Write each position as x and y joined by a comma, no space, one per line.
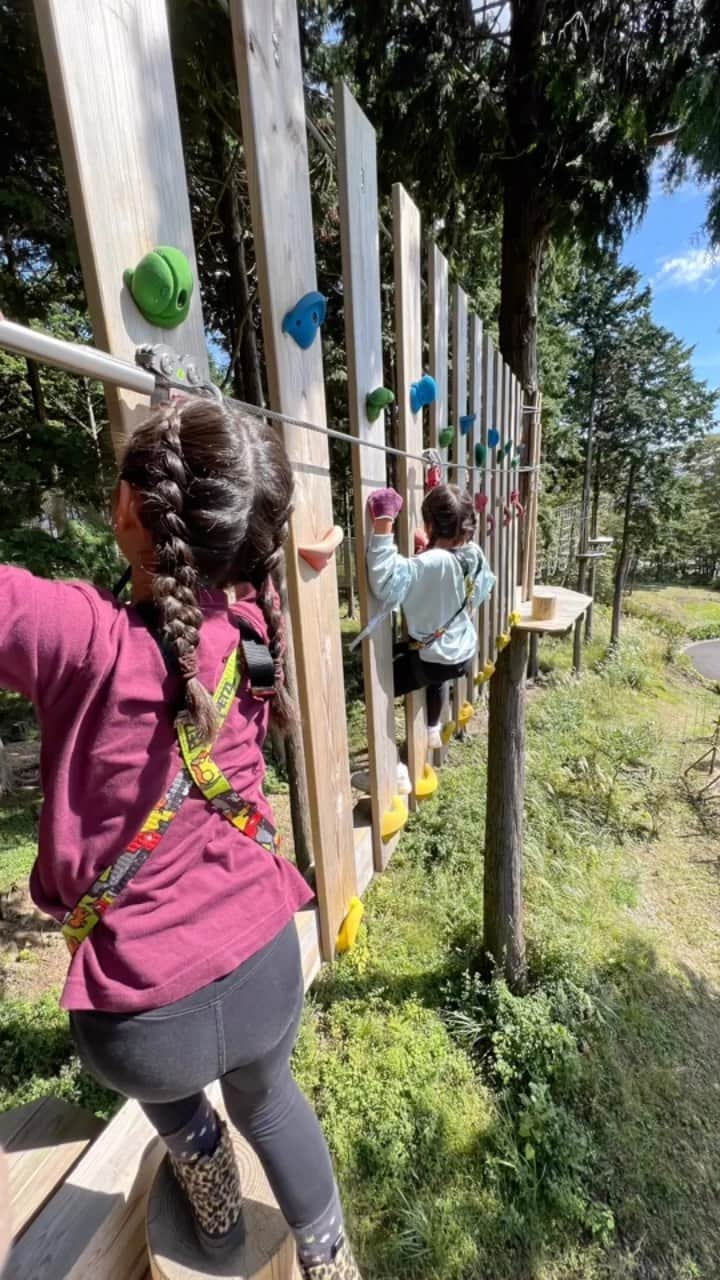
465,714
350,925
428,784
502,641
487,672
394,818
448,730
514,617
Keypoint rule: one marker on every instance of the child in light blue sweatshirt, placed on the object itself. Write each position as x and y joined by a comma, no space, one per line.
438,591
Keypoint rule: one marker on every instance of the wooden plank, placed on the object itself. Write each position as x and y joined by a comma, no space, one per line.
512,482
571,605
359,228
43,1141
95,1224
530,540
488,419
438,295
476,407
110,74
408,330
439,320
267,56
507,531
496,504
460,404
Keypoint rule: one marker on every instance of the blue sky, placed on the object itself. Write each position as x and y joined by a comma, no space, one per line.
670,249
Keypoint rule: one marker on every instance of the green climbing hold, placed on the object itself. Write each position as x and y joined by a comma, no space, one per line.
161,285
376,401
480,455
507,448
446,438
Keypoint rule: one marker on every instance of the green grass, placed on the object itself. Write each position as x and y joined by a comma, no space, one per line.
693,611
569,1134
18,838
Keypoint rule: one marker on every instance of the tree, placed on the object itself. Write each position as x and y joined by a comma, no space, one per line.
650,407
697,133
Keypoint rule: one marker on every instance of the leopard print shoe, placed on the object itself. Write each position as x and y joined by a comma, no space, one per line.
342,1267
212,1188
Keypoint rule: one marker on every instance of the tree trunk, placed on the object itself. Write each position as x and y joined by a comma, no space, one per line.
6,773
503,904
623,560
525,223
244,370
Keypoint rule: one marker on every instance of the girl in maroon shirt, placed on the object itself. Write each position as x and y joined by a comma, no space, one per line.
194,972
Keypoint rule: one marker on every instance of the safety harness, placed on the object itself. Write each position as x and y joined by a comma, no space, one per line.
250,657
470,580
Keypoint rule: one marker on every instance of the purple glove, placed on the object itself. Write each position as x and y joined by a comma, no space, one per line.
384,504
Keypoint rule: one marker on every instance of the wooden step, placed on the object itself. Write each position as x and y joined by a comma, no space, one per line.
94,1225
44,1141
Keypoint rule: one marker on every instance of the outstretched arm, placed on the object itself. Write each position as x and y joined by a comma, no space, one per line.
45,632
390,574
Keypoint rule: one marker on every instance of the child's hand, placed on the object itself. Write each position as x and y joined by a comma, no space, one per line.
421,541
384,504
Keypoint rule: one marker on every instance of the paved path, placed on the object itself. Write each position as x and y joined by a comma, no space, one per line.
705,656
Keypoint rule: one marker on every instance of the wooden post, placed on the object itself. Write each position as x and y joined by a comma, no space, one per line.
460,404
357,174
438,292
438,295
267,55
503,905
507,531
110,74
498,542
408,329
478,478
488,419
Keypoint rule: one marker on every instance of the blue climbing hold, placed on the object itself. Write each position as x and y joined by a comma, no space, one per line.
422,392
467,421
493,438
303,322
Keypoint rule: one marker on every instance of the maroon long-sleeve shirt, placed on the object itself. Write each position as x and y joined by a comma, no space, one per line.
208,897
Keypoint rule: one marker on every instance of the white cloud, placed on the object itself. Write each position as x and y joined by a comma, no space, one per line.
697,267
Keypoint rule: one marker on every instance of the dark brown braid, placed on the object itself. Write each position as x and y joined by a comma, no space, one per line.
216,493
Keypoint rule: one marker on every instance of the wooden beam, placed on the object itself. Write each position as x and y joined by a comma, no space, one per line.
110,74
498,542
487,542
476,407
267,56
507,437
460,404
357,181
438,296
408,331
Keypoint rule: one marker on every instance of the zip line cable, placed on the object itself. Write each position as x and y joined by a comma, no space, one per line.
86,361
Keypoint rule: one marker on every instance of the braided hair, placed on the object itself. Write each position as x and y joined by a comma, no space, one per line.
215,494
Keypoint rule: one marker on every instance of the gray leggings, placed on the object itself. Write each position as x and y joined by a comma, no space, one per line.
240,1029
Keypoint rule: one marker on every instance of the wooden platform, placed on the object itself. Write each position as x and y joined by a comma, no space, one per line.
43,1142
571,605
269,1251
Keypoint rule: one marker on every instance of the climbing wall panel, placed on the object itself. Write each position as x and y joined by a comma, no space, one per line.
408,333
267,56
477,485
357,174
110,74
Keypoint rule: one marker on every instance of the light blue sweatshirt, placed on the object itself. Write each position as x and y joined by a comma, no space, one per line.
431,587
